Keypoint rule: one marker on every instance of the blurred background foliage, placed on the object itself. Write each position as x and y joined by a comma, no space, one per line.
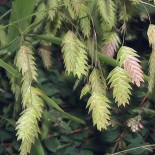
59,135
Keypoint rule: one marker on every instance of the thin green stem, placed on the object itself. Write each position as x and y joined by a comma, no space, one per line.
139,147
48,38
107,59
148,4
5,14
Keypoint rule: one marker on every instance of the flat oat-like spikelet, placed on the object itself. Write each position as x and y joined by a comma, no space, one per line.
25,62
99,106
111,44
128,57
45,53
119,79
27,124
69,6
81,10
98,103
52,6
132,66
107,9
85,21
75,55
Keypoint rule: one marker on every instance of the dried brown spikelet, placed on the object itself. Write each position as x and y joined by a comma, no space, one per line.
109,49
45,53
111,44
132,66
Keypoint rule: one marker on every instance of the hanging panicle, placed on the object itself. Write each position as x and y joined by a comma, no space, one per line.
27,125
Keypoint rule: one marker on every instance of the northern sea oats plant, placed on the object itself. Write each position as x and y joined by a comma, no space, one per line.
91,34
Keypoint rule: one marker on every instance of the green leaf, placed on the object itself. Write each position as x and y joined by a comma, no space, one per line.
20,19
110,135
5,136
65,126
148,112
137,151
153,137
9,68
45,127
52,144
70,151
133,138
51,102
86,152
37,148
10,121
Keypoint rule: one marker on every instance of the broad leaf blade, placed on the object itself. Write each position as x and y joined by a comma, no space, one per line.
37,148
9,68
20,18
